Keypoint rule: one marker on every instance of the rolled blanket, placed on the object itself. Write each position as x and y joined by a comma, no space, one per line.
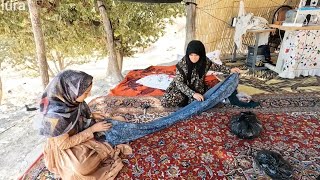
122,132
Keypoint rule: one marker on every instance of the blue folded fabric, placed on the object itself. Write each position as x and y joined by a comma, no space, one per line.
122,132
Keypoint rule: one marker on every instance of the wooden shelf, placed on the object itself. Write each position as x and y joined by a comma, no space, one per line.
260,30
292,28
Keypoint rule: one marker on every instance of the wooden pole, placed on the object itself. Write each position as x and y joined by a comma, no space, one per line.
190,21
113,72
39,41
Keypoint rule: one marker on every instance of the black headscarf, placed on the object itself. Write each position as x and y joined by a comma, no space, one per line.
198,48
61,112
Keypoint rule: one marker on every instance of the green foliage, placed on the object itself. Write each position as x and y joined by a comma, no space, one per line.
137,25
73,29
68,29
4,52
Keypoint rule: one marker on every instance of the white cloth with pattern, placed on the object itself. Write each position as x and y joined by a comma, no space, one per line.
157,81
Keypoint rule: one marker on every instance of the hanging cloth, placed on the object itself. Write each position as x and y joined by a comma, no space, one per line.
246,21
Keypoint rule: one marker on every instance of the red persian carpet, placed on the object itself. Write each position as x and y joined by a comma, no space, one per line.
129,87
202,147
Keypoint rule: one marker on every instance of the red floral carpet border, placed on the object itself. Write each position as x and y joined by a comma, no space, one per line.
203,147
131,108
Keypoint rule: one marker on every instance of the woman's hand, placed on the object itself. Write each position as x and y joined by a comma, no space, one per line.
101,126
235,70
98,116
198,97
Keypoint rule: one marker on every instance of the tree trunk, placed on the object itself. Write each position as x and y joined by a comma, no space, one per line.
119,54
190,21
60,61
57,60
120,59
113,72
51,73
39,41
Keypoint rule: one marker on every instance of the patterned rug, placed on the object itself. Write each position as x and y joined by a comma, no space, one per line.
203,147
131,108
277,85
129,86
265,80
269,81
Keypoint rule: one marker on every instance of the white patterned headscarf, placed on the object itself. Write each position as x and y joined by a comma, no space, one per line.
60,110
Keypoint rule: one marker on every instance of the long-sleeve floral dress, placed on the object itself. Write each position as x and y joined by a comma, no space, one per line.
180,91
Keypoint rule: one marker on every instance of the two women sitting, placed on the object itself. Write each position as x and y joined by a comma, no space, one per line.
72,152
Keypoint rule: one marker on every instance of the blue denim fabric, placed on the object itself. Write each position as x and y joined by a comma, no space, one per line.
122,132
